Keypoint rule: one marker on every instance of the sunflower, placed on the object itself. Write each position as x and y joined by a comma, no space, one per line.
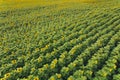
52,66
3,79
52,78
36,78
37,49
114,66
7,75
19,70
70,78
58,75
104,74
13,61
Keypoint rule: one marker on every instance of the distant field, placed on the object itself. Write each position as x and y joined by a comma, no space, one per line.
59,40
15,4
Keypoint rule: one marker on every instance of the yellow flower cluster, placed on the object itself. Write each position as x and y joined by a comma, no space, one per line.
114,67
66,69
41,69
39,59
52,66
46,47
42,49
110,70
90,72
73,51
7,75
46,66
58,75
19,69
104,74
62,56
33,69
54,62
3,79
13,61
36,78
74,64
70,78
52,78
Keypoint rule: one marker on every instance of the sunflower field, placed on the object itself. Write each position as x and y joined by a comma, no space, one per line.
59,40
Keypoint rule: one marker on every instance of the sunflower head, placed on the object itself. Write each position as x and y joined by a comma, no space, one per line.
7,75
36,78
14,62
58,75
19,70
